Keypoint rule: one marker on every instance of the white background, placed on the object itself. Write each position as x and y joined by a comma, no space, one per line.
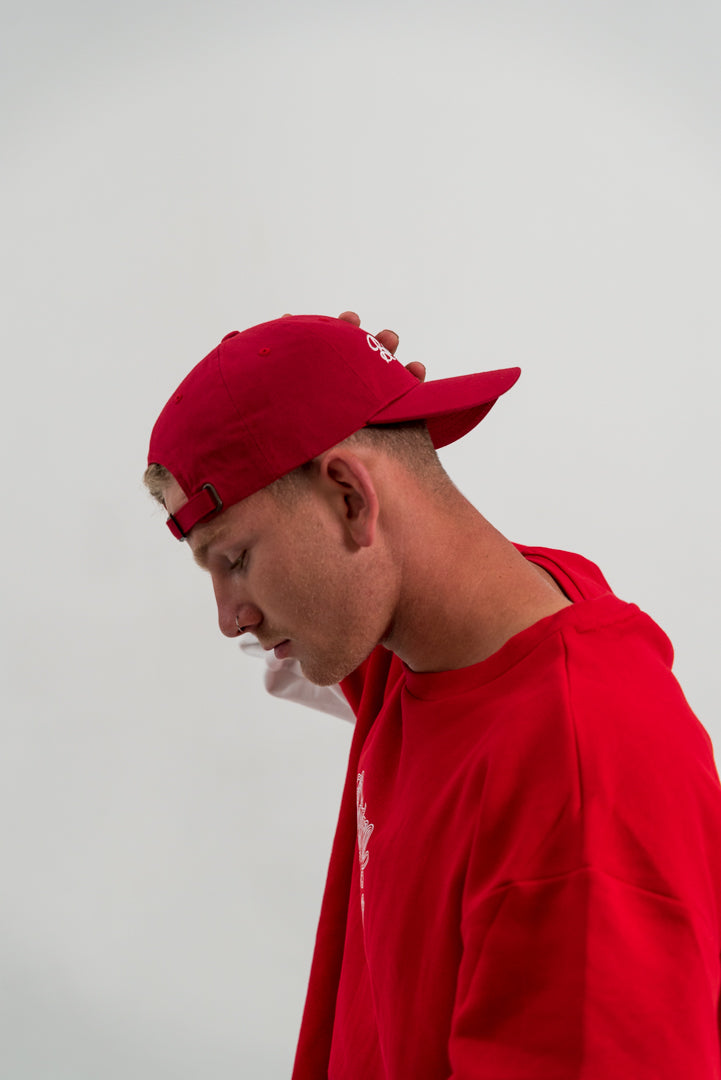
503,183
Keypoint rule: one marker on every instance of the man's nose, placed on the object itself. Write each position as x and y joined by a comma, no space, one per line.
234,619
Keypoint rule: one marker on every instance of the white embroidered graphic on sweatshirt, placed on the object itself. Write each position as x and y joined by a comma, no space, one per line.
364,834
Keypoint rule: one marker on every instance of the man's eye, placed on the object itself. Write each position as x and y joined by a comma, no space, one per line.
240,562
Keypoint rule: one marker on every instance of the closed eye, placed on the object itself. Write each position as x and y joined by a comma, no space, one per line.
240,562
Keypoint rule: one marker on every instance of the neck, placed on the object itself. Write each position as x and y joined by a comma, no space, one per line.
465,589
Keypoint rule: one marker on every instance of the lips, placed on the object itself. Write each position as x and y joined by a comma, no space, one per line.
281,647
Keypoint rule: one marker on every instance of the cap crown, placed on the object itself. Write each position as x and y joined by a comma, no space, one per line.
271,398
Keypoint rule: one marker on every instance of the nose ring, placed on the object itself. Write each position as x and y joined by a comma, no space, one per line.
241,629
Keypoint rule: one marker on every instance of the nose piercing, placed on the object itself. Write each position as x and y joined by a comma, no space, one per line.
241,629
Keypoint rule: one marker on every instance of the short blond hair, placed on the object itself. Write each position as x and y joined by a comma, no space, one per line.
156,478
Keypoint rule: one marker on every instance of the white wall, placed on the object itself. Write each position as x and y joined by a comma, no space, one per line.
504,184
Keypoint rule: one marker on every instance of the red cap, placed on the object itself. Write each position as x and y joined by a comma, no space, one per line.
272,397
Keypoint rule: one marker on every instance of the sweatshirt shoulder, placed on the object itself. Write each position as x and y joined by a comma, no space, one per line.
579,577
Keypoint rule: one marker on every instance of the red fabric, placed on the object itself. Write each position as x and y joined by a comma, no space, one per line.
541,840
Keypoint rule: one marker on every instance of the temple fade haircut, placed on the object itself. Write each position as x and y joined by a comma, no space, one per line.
410,444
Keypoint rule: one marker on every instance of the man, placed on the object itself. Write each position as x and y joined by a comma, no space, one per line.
526,876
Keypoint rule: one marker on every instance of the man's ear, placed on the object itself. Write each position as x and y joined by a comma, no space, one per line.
352,494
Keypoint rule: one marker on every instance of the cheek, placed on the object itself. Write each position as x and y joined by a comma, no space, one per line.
314,583
292,588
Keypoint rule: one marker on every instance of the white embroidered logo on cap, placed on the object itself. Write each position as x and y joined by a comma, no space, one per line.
377,347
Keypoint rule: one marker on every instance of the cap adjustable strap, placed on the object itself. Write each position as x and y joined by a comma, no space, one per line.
202,505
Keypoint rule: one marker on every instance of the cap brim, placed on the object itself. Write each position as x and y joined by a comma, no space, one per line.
450,407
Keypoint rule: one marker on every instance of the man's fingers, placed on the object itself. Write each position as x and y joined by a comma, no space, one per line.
418,369
388,339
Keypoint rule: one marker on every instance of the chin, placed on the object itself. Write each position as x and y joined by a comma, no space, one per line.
323,676
328,671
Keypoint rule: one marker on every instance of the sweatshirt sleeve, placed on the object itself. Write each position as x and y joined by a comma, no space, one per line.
587,977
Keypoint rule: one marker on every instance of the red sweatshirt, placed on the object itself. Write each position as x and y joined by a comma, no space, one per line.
526,876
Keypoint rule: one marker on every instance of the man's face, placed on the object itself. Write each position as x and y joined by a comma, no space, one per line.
284,568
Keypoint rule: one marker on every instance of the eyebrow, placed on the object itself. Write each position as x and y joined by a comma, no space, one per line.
200,554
